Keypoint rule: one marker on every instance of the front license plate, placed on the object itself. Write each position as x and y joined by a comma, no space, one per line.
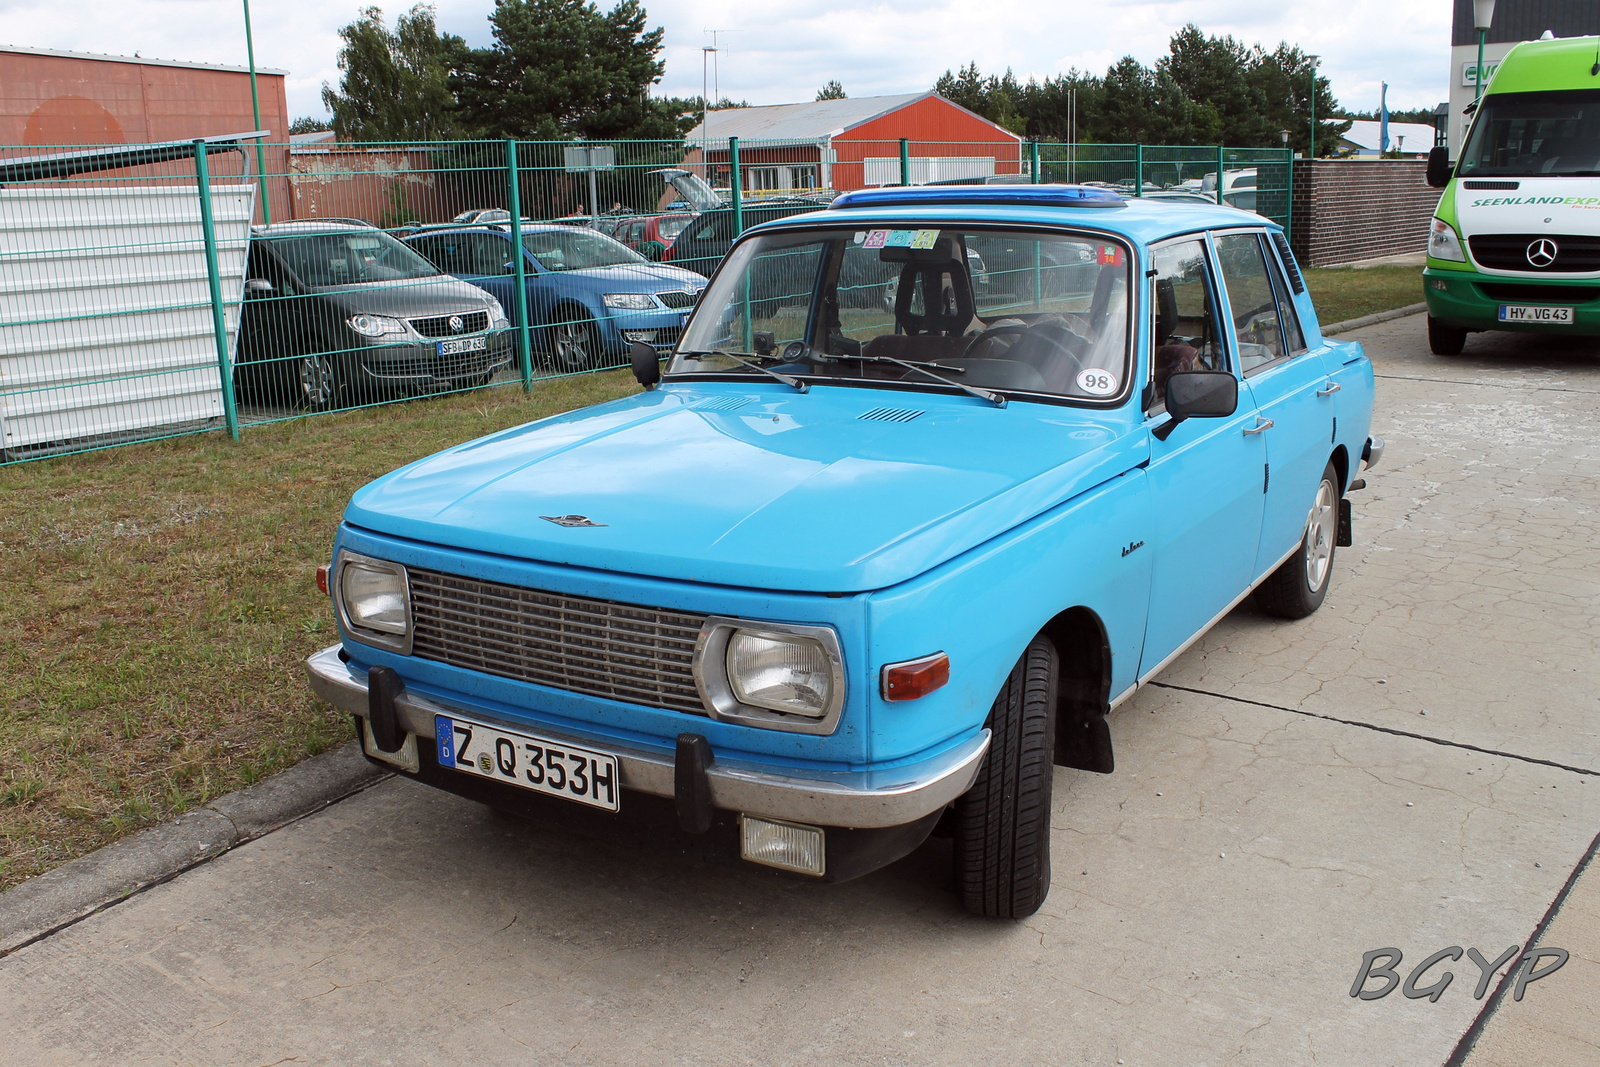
544,766
457,345
1531,313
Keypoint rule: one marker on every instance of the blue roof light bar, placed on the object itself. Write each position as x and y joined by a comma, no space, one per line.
976,195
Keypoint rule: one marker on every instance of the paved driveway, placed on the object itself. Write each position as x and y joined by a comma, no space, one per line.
1415,766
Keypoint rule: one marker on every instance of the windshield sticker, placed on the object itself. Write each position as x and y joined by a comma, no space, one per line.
1097,382
924,238
876,239
1111,254
900,238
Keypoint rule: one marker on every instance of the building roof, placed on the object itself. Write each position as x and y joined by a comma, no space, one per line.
316,137
805,123
138,59
1365,135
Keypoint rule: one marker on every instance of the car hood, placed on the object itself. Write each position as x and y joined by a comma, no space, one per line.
637,277
1538,205
762,489
419,298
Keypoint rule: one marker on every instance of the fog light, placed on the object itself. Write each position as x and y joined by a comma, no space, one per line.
1440,284
784,845
640,335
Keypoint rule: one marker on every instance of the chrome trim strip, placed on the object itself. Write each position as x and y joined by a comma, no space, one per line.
860,799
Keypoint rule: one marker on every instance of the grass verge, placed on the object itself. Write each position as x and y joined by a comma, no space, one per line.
1344,293
156,602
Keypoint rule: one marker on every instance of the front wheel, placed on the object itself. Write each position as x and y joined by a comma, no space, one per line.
1002,824
575,344
318,382
1299,585
1445,340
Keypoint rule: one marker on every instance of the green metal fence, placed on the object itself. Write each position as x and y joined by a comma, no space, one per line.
154,290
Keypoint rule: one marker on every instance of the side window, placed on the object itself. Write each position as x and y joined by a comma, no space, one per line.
441,252
1294,339
487,254
1185,333
1254,303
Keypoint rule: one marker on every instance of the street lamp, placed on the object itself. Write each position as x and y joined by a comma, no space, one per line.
1313,153
1482,15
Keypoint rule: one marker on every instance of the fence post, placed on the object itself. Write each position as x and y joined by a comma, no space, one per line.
1138,170
219,322
524,349
1219,175
905,161
1033,151
737,186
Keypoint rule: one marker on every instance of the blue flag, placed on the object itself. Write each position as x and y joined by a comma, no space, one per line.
1383,120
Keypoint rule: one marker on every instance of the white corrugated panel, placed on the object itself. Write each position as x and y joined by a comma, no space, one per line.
885,170
106,325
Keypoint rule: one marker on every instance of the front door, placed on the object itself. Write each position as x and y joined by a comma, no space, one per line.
1206,477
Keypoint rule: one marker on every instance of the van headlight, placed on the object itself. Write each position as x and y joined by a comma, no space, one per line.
374,600
781,676
1443,242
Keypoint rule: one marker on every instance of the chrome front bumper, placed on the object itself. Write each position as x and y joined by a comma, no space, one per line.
856,799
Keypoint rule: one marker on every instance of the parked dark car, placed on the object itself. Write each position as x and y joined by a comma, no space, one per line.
702,245
589,297
337,313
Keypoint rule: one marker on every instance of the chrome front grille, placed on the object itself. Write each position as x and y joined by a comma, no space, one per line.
439,325
675,298
601,648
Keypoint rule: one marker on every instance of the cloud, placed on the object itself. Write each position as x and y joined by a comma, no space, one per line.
785,50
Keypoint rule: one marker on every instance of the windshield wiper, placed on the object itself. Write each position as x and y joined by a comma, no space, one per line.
795,383
997,399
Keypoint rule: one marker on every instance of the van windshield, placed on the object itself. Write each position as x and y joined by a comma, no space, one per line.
1524,135
988,309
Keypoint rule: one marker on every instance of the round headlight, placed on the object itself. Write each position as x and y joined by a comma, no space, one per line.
375,598
780,672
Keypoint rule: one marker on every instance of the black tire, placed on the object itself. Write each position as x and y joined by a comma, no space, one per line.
1300,584
1002,824
1445,340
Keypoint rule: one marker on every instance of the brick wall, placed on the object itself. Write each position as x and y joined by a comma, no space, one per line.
1347,210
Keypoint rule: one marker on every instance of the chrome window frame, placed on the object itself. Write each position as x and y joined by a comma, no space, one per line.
710,669
1268,261
1158,404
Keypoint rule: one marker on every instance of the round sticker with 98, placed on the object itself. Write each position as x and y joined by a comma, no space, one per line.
1096,382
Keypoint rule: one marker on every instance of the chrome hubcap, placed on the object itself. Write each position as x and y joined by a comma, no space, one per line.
572,344
1319,537
316,380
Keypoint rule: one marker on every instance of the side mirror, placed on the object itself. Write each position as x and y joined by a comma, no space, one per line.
1439,168
646,364
1198,394
258,287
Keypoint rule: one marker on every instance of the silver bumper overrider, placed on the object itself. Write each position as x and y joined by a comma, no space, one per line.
858,799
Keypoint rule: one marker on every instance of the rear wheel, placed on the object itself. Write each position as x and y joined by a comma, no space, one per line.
1445,340
1300,584
1002,824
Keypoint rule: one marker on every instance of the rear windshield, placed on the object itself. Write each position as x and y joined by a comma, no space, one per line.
1008,310
1522,135
349,258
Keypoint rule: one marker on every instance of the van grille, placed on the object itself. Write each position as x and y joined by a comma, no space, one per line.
601,648
1509,251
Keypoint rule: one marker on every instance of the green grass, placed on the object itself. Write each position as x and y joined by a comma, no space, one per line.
1344,293
156,602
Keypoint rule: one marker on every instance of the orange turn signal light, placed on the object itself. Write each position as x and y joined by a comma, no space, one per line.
915,678
322,579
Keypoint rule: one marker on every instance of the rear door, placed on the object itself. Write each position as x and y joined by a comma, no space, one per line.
1286,380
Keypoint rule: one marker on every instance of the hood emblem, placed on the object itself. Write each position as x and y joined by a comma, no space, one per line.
457,324
1542,253
571,520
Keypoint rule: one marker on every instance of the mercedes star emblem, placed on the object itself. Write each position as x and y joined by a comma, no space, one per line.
457,323
570,520
1542,253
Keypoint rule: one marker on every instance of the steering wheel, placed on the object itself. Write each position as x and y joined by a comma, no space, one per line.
1018,328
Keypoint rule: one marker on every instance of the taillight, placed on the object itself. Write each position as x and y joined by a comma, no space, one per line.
915,678
322,579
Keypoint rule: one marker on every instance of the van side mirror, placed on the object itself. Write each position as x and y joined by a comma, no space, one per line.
1198,394
646,364
1439,168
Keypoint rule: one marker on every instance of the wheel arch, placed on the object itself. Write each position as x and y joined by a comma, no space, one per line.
1341,464
1083,690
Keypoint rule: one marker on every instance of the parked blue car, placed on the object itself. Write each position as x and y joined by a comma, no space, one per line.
589,296
844,576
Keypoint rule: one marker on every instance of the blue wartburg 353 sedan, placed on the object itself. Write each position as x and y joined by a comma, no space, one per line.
934,479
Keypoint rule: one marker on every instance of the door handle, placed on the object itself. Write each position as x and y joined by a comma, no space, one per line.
1261,425
1333,387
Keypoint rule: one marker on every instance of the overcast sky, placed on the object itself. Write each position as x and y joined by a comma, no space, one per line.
785,50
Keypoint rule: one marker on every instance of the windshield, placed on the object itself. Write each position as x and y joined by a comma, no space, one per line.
570,248
1522,135
350,257
1031,312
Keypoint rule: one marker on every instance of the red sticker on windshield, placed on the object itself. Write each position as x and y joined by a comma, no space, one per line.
1111,254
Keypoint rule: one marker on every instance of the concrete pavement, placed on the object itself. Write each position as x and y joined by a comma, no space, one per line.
1414,766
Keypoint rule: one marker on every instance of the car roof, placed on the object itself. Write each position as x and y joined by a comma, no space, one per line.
1134,219
305,226
502,230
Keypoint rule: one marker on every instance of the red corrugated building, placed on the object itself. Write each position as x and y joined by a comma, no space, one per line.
853,143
